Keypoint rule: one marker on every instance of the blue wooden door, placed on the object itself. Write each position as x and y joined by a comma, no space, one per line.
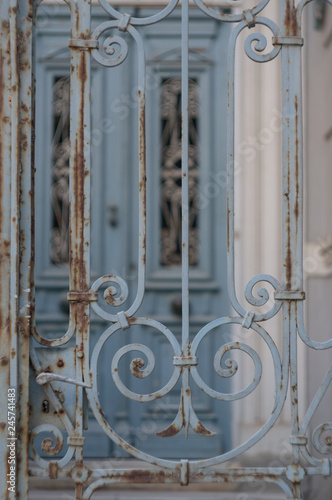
114,218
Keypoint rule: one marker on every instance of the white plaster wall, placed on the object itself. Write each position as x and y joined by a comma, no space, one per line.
318,223
258,223
258,217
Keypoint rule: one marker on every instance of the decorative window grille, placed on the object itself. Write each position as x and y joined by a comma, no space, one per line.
171,151
59,234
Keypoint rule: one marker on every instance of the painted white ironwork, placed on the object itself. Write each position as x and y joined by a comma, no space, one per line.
111,51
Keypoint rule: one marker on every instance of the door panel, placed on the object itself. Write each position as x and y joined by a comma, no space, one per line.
115,224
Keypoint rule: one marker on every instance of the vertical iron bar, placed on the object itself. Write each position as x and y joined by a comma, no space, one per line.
185,209
79,184
14,200
141,178
292,195
14,218
6,366
230,169
26,161
185,176
292,163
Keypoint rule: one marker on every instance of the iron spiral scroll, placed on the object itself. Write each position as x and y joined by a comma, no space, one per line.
287,296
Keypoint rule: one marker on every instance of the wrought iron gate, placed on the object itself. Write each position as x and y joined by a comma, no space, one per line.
79,378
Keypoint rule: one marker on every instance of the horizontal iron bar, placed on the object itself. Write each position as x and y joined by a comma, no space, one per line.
289,295
149,475
88,296
287,40
83,44
75,440
185,360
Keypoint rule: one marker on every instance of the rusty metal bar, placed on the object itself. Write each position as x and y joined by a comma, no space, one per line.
14,192
5,236
24,15
15,230
292,273
79,200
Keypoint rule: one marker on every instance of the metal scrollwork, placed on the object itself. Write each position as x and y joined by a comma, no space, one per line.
115,295
314,344
231,365
259,46
115,47
51,446
264,296
138,21
138,363
222,16
318,435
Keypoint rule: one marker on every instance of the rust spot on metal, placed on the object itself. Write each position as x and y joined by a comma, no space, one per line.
53,470
45,342
290,20
24,108
47,445
2,426
4,361
60,396
60,363
141,185
77,263
24,145
262,476
110,299
172,430
281,382
136,366
143,476
188,391
142,163
200,429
